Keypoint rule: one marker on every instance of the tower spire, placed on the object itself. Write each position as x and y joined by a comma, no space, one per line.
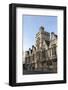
41,28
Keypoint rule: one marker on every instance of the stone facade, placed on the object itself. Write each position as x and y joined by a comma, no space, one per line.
42,56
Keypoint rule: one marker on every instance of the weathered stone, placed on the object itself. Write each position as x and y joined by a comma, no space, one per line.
43,56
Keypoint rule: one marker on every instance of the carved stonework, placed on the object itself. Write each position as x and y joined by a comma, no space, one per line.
43,56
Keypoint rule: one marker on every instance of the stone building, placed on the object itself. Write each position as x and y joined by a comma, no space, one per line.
42,56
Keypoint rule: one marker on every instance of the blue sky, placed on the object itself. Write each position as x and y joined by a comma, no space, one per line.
31,25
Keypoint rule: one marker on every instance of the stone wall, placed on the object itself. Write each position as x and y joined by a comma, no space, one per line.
39,57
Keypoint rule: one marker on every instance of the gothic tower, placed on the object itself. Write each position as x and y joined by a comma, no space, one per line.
41,37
